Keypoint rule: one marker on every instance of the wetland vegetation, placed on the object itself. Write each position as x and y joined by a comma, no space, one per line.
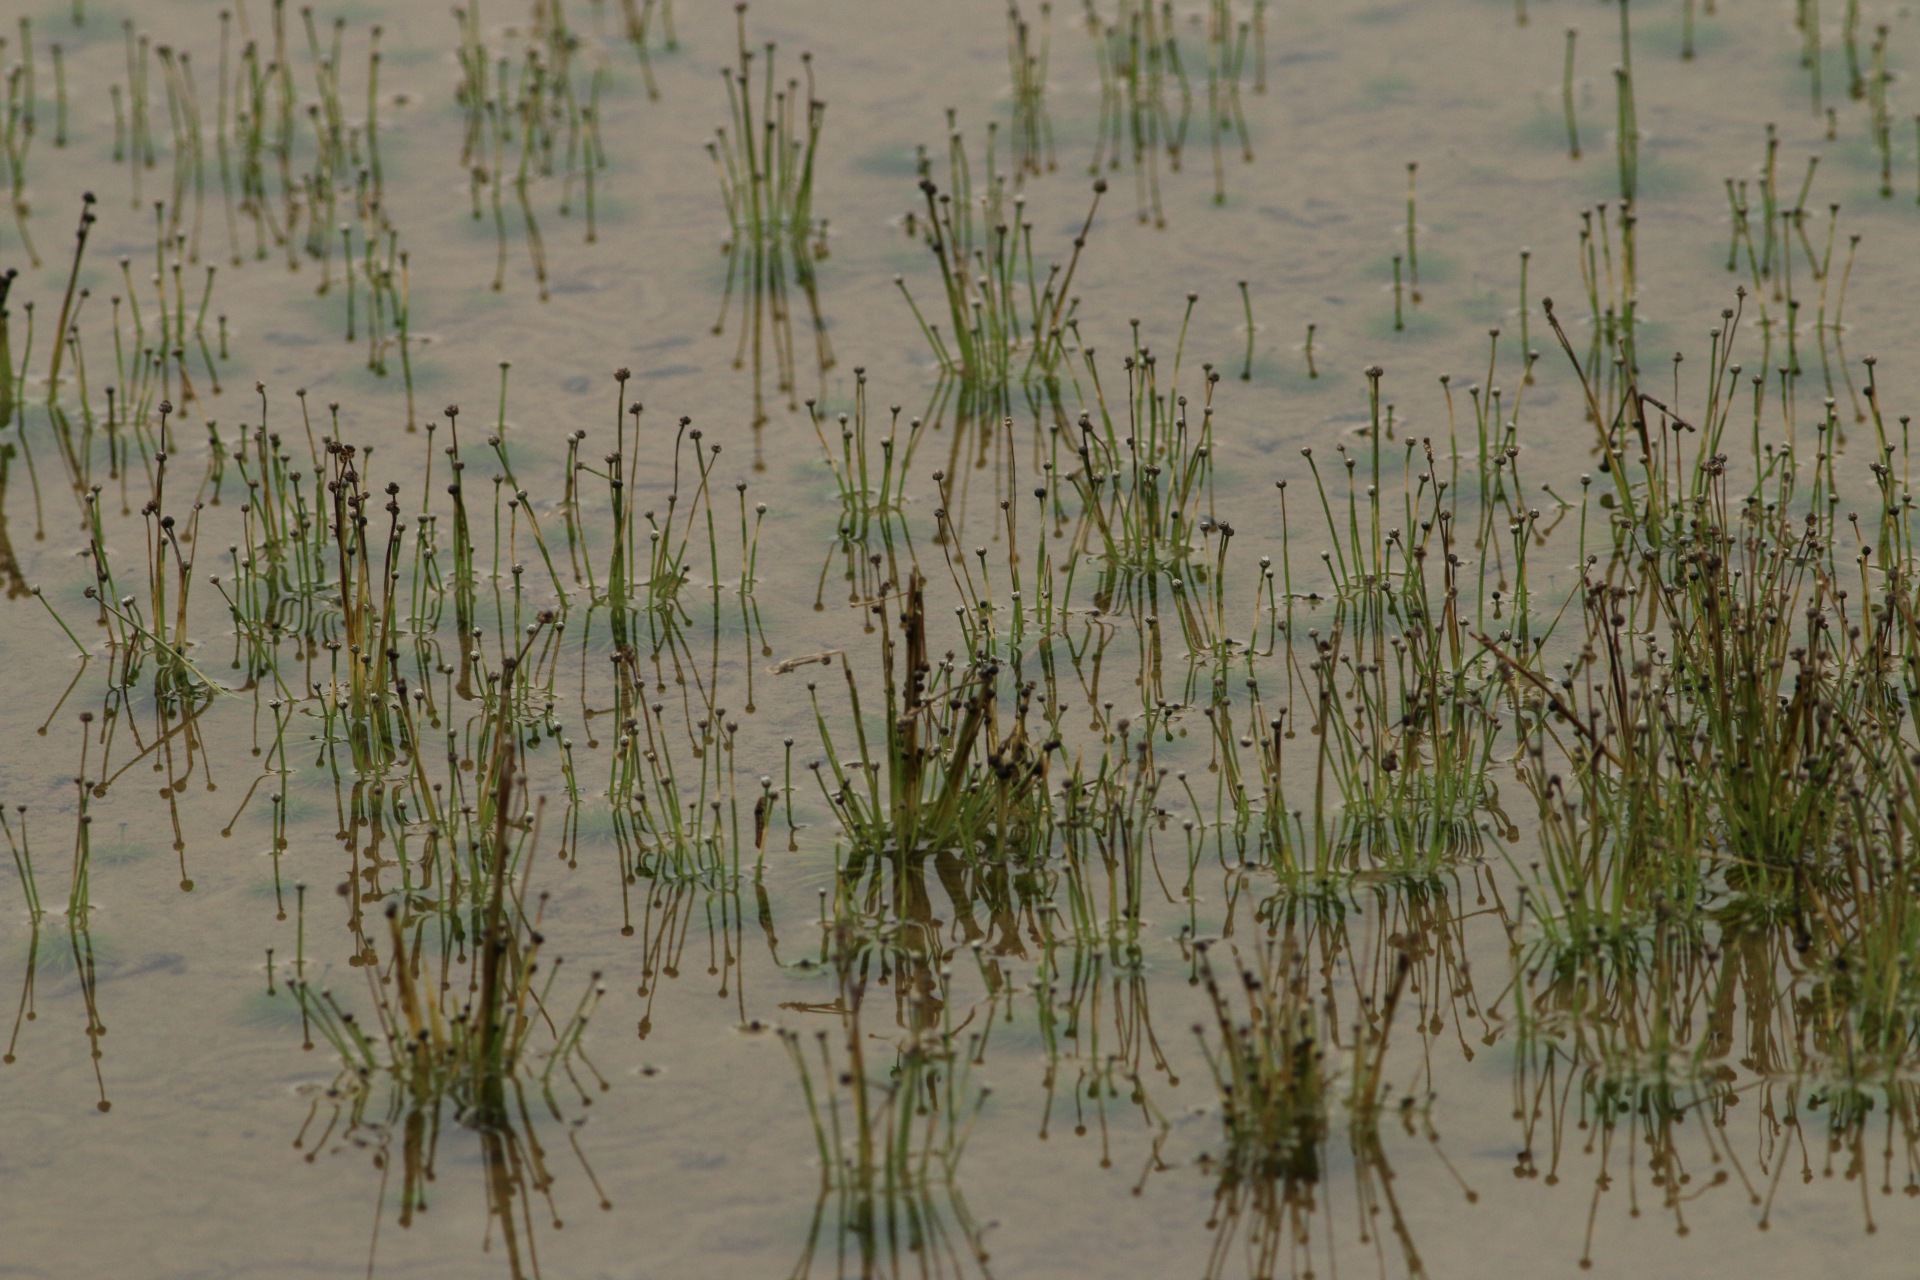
1020,641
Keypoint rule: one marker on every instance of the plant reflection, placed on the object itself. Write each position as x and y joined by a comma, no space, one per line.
404,1141
890,1136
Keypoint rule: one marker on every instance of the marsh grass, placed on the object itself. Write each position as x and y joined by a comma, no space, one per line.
1147,91
543,98
677,817
1145,475
951,770
1159,705
1146,99
765,161
1229,39
869,484
1007,318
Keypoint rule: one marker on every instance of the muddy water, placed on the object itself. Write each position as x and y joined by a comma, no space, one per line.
219,1154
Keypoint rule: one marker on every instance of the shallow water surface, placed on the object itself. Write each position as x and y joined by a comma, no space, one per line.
226,780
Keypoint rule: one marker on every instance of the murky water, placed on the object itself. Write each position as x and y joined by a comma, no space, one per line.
167,1111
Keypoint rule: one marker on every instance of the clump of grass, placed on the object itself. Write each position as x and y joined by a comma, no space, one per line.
1228,40
1147,93
680,817
645,582
765,162
1145,97
543,99
1402,716
950,771
1730,727
1723,761
868,486
1145,479
1007,320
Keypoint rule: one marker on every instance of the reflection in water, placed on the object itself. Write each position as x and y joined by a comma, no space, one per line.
1027,56
404,1139
1147,90
527,128
1286,1222
890,1137
1365,942
1095,1019
1145,98
9,561
30,890
1006,800
1850,1140
765,162
668,913
26,1012
1637,1126
70,963
1651,1057
1282,1091
44,957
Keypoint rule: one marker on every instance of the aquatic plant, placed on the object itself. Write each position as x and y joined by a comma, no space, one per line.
868,485
765,162
1007,320
950,770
